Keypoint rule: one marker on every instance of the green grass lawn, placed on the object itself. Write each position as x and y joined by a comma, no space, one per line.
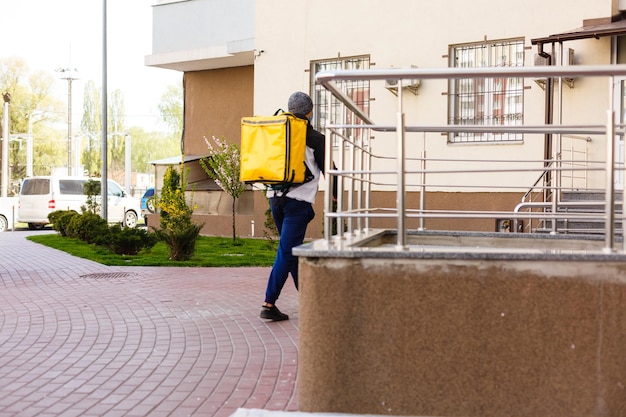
210,251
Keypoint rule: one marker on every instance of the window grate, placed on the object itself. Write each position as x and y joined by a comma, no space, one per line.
487,101
335,112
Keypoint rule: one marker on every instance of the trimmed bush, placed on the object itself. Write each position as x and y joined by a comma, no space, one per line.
87,227
61,219
126,240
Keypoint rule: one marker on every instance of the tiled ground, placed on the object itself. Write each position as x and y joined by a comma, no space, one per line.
81,339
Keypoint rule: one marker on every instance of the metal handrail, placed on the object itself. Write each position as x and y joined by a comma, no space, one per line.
328,80
541,178
546,172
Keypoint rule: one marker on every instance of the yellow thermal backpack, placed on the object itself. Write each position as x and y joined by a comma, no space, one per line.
273,149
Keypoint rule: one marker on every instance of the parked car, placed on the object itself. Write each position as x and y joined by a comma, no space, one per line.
40,196
8,209
147,204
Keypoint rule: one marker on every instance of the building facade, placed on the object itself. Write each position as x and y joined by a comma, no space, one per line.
246,57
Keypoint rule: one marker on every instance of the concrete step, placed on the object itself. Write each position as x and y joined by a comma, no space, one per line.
581,227
583,195
593,202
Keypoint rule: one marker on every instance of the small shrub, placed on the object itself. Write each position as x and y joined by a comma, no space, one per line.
53,217
87,227
181,243
177,231
126,240
92,189
61,219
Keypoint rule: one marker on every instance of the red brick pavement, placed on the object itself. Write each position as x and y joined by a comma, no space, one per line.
81,339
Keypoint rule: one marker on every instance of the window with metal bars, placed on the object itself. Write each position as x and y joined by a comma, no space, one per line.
486,101
334,111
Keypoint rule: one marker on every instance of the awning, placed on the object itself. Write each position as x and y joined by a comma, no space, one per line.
197,180
592,28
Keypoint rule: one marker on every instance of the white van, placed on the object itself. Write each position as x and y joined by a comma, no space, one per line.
40,196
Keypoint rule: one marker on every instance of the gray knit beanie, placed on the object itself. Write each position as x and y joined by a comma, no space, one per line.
300,103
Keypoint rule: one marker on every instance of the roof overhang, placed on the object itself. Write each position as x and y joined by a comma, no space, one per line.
592,28
239,53
176,160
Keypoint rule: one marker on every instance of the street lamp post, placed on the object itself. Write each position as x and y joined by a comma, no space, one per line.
5,145
104,188
69,76
127,162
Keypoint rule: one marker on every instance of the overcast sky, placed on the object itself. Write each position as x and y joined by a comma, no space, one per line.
57,34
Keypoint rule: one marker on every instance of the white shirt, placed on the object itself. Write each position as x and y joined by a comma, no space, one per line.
307,191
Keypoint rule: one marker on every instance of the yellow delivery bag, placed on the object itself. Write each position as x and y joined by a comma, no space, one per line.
273,149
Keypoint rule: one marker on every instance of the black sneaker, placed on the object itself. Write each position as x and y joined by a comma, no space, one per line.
273,313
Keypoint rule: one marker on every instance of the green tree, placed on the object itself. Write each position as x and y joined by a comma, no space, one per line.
91,126
171,108
33,112
150,146
92,190
117,140
223,166
146,146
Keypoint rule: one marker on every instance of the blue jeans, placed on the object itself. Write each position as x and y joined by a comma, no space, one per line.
291,218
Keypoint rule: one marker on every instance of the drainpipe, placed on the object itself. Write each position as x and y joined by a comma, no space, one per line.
547,147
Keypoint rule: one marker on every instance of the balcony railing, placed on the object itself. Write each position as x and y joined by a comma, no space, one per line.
355,161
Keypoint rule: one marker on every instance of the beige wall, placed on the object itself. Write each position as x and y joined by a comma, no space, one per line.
405,33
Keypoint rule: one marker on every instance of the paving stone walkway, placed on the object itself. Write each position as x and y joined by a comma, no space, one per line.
81,339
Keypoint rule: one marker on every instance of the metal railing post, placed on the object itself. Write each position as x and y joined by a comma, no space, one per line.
423,189
341,183
623,175
352,183
368,184
361,153
610,184
401,177
328,195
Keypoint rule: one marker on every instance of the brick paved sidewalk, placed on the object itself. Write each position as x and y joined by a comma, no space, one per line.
81,339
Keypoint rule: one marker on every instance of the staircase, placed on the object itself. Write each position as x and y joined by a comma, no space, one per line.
584,202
